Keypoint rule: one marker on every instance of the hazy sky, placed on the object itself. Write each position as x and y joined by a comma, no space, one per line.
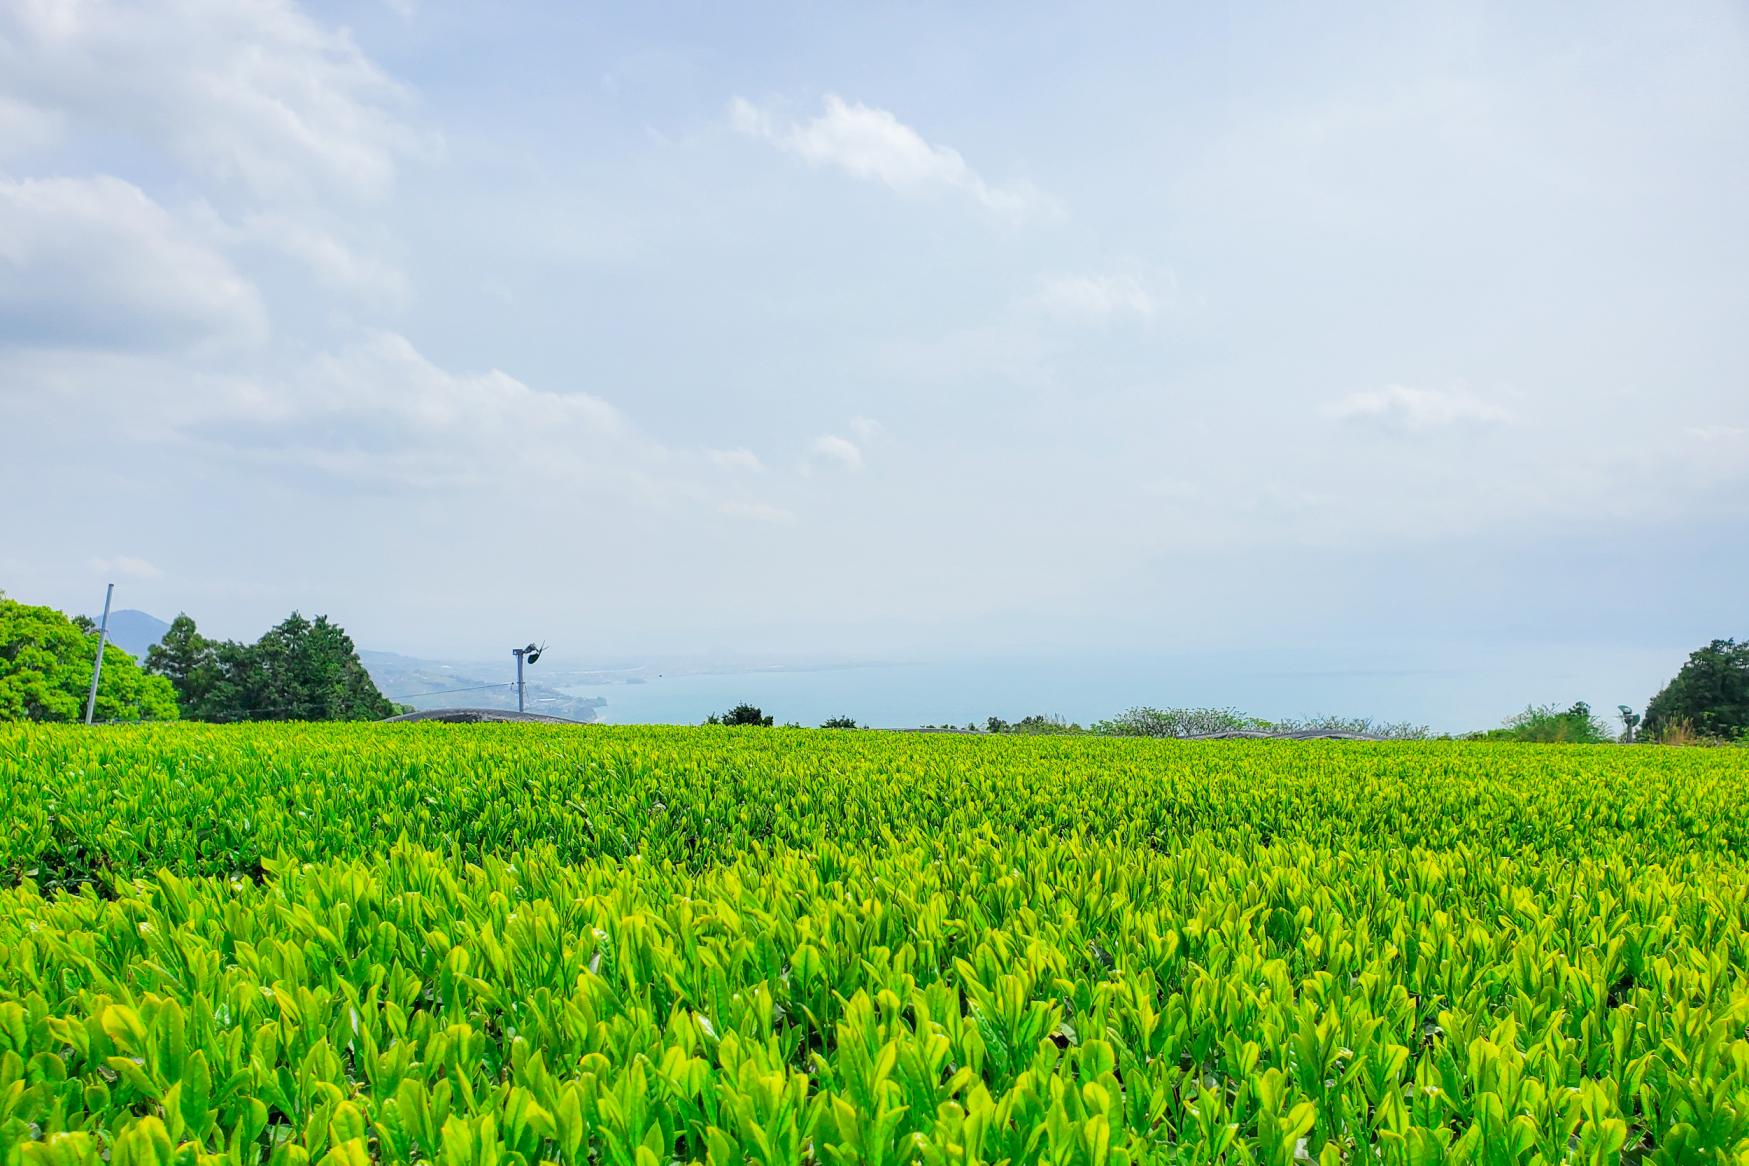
883,329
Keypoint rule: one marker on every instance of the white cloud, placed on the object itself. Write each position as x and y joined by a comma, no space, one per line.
333,262
380,410
376,411
1095,298
866,428
1175,490
839,450
758,512
1719,434
95,261
752,120
380,414
377,419
250,90
127,567
736,459
874,145
25,127
1416,410
1010,351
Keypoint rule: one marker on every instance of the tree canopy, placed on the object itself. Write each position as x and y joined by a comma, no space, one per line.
741,714
45,671
1709,694
301,670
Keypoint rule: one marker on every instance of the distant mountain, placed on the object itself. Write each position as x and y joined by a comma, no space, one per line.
134,631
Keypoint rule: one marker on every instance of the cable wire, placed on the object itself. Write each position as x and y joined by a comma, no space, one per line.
447,691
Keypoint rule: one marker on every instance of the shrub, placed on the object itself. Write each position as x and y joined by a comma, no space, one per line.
1039,724
1364,726
741,714
1678,732
1143,721
1549,724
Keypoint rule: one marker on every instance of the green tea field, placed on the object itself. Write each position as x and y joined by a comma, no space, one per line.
504,945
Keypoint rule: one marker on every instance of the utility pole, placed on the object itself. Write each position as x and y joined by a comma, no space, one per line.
97,665
533,654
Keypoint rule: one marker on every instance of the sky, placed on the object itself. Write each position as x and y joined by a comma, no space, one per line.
1323,336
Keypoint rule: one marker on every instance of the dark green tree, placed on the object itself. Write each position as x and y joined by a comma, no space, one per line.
45,672
741,714
308,670
1710,693
301,670
190,662
838,723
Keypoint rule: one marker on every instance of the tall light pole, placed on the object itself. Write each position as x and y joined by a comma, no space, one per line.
97,665
531,654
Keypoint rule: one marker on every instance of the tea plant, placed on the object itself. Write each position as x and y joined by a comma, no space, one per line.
497,945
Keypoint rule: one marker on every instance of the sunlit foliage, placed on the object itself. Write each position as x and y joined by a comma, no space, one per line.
513,945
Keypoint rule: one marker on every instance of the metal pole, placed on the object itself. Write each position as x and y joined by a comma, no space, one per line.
518,652
97,665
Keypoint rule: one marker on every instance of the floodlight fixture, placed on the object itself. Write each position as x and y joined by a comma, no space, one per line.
531,653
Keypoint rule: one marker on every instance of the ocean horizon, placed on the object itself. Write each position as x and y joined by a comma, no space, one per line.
1478,689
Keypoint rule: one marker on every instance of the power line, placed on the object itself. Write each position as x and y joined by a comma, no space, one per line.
242,714
249,713
447,691
232,714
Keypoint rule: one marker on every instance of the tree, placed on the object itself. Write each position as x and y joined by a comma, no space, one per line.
45,672
308,670
300,670
838,723
190,662
741,714
1710,693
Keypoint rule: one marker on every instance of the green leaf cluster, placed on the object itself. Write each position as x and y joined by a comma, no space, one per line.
506,945
45,672
219,799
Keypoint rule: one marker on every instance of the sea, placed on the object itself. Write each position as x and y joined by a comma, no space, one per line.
1455,689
